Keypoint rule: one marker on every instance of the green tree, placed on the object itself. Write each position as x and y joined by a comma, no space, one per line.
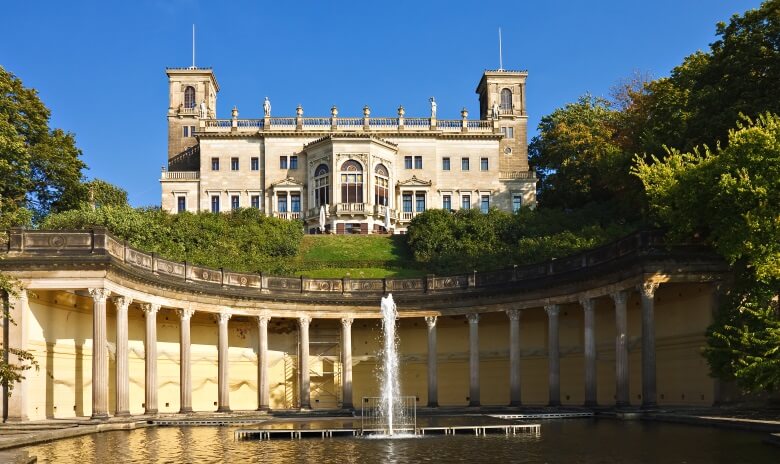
96,192
37,164
730,197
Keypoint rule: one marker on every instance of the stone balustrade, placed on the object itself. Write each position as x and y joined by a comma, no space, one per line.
180,175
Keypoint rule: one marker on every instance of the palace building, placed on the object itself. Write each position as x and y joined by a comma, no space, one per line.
367,172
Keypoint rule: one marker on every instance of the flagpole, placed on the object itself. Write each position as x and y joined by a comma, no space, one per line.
500,52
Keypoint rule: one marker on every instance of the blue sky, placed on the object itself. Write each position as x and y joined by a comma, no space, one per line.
100,66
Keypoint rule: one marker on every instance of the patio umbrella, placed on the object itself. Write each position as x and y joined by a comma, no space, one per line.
387,219
322,219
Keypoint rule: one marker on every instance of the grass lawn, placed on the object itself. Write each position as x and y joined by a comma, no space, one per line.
363,273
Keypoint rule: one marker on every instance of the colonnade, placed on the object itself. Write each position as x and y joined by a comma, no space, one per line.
100,370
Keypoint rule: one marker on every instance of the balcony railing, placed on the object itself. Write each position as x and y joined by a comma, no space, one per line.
187,111
289,215
406,216
517,174
180,175
350,208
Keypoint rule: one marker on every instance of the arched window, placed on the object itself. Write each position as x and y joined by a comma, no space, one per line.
351,182
189,97
321,186
506,99
381,185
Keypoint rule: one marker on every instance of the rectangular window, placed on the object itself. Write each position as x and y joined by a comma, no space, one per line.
282,162
407,202
234,203
419,201
445,164
485,204
418,162
465,202
215,204
255,199
446,202
509,132
234,164
483,164
281,203
255,164
186,131
517,202
181,204
464,164
407,162
215,164
295,203
294,162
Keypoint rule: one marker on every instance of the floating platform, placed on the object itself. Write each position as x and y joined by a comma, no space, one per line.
545,415
478,430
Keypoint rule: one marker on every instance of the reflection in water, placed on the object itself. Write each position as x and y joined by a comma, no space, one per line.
566,441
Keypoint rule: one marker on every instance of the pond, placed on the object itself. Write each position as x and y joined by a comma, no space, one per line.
561,441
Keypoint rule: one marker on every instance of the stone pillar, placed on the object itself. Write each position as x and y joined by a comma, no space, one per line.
717,383
223,380
303,361
263,400
621,349
150,357
346,356
15,334
99,354
473,359
122,366
185,361
553,354
514,356
433,380
589,350
647,293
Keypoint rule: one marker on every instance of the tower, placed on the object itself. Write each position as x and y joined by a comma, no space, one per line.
188,90
504,90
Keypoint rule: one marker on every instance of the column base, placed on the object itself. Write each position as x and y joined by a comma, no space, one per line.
515,404
433,404
590,404
224,409
121,413
264,409
102,416
622,404
349,406
649,405
185,410
554,403
474,404
150,412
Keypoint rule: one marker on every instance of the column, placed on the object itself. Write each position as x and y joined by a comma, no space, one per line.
15,335
473,359
121,303
150,357
647,293
303,361
514,356
346,356
589,350
223,401
99,354
553,354
262,363
185,360
621,349
433,380
717,383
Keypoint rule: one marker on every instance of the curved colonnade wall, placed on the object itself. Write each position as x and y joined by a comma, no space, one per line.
618,325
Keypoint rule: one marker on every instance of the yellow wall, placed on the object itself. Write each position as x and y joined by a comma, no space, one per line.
59,330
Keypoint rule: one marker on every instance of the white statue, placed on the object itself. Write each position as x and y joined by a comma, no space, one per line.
495,110
203,111
433,108
267,107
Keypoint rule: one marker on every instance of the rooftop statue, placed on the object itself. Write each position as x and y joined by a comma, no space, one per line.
267,107
203,110
433,107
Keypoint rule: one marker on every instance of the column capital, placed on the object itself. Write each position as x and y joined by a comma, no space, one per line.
430,321
185,314
121,302
648,288
97,294
514,314
304,321
552,310
588,304
150,308
346,322
473,318
620,297
222,318
263,319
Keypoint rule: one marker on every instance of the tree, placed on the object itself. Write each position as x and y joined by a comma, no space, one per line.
730,197
38,165
97,193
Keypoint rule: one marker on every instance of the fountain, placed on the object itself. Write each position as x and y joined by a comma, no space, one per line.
390,390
